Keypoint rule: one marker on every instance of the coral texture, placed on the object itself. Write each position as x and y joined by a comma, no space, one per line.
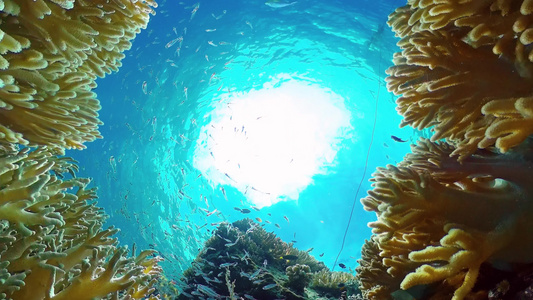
51,52
374,281
299,277
445,45
242,260
440,219
336,285
466,72
52,245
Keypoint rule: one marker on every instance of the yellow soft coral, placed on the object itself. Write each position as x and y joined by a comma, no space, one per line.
52,244
445,45
433,209
374,281
51,52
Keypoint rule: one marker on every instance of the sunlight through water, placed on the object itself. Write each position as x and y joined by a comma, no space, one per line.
269,143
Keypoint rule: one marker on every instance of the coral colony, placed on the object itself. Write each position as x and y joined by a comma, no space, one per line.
52,244
462,201
455,208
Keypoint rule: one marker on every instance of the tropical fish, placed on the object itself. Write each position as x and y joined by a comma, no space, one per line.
342,265
245,211
224,265
207,290
289,257
145,87
279,3
269,286
397,139
113,163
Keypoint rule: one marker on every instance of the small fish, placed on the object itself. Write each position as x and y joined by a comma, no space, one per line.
285,217
289,257
144,87
259,220
223,192
277,225
321,255
207,290
249,24
342,265
255,274
245,211
193,12
232,244
224,265
113,163
397,139
269,286
171,43
237,209
279,3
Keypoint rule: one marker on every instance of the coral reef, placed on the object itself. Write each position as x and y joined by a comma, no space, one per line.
465,70
299,276
372,274
242,260
446,44
52,245
441,219
334,284
50,55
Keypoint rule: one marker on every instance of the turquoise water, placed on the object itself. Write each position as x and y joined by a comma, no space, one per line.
297,88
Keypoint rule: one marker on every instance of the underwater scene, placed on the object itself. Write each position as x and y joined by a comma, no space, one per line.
287,149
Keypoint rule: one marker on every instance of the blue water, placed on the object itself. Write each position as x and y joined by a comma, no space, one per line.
159,107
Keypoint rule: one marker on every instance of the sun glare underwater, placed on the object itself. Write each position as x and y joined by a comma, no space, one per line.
224,110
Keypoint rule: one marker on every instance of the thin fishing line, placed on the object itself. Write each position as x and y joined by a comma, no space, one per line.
366,165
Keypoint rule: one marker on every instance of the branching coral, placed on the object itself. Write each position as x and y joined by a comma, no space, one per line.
466,69
333,284
299,277
372,275
52,245
439,219
243,260
50,54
